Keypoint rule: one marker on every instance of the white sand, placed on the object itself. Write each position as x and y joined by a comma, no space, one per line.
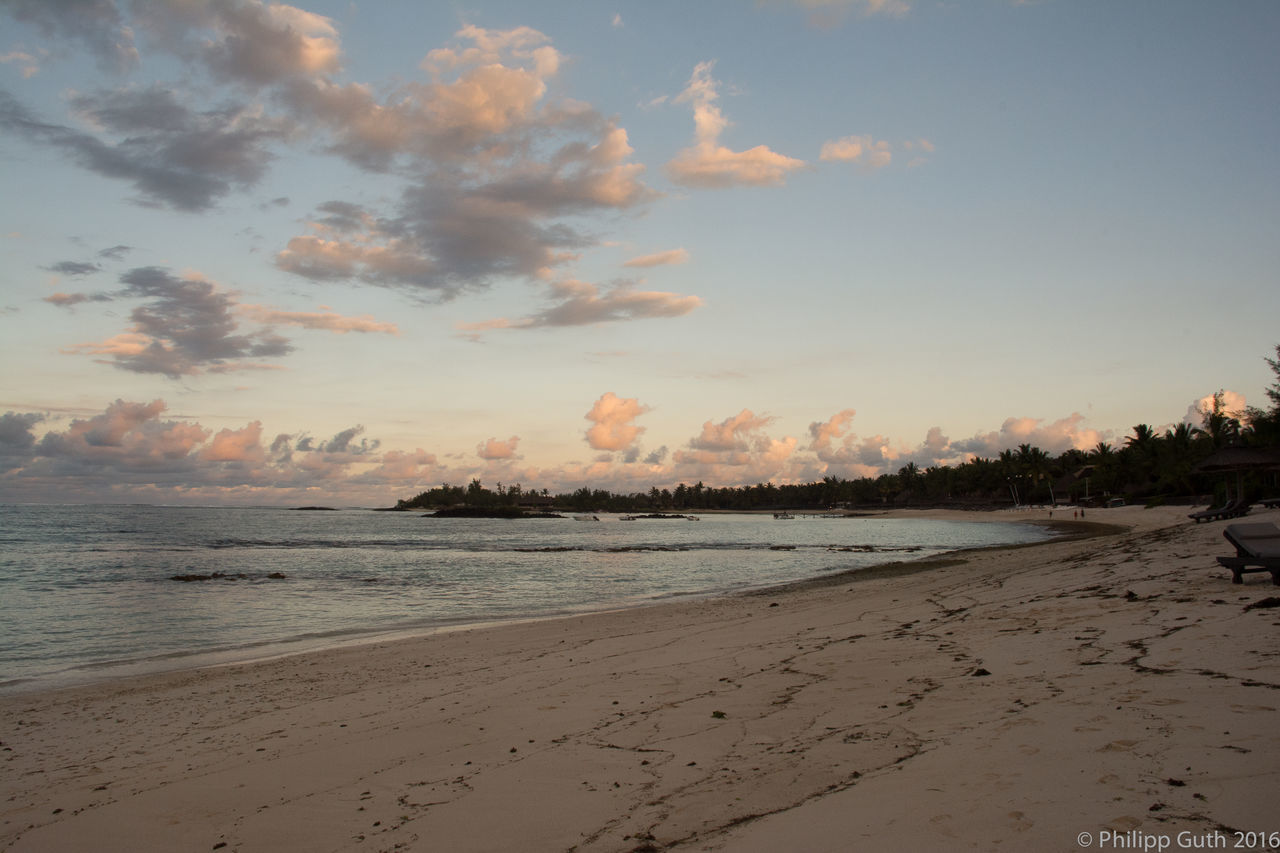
1129,691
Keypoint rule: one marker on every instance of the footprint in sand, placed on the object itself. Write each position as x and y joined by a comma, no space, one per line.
1119,746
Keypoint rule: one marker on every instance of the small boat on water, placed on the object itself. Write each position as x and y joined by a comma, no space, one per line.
586,518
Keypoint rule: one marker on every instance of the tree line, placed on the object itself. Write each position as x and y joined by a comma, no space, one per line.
1147,467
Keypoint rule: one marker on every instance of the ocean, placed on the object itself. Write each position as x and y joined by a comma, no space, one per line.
87,593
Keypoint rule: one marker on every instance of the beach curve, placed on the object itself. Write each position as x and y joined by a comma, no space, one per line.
1022,696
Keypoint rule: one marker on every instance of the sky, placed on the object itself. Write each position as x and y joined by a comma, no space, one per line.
343,252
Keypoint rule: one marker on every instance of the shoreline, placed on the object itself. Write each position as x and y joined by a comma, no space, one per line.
104,671
1018,695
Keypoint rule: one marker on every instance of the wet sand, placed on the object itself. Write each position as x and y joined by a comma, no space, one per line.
1017,697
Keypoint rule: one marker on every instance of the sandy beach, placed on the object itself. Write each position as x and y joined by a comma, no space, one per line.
1117,686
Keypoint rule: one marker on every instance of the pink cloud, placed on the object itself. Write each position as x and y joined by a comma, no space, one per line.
29,64
127,437
371,255
325,320
825,433
1233,403
857,149
487,85
844,454
242,445
735,451
581,303
709,165
672,256
731,433
493,449
613,422
1055,437
250,41
402,467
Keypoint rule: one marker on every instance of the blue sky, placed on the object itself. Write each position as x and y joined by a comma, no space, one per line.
263,253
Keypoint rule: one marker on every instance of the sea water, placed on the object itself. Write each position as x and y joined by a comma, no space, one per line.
88,592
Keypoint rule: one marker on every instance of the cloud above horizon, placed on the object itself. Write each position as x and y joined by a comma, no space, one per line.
485,207
613,422
736,451
187,326
133,449
172,155
97,24
857,149
494,450
498,166
580,303
657,259
709,165
843,453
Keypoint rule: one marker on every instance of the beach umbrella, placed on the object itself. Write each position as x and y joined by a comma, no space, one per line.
1240,459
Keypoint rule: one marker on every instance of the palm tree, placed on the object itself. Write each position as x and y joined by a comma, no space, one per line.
908,475
1036,463
1175,455
1139,450
1143,437
1264,424
1217,424
1009,469
1104,465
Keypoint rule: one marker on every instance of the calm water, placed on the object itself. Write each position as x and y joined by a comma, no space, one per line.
86,591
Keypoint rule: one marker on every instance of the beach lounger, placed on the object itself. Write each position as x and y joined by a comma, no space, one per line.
1240,509
1257,550
1205,514
1231,509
